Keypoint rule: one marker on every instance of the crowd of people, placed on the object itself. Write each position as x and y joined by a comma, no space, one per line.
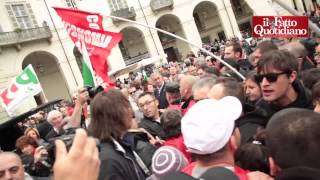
186,120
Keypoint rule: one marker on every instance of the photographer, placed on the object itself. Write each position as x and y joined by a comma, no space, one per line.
35,158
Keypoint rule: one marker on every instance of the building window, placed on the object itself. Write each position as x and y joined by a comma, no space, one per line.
117,4
222,36
71,4
21,15
237,7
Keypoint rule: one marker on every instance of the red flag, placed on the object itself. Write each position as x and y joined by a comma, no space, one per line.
85,27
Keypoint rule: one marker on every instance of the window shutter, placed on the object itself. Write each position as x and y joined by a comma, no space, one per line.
11,16
31,15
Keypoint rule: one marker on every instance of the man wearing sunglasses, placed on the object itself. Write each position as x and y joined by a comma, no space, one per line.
277,77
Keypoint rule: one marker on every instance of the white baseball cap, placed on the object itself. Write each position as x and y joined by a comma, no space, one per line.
209,124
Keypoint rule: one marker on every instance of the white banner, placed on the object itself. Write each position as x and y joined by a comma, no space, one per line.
25,85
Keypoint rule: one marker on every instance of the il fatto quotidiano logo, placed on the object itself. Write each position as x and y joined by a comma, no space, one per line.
280,26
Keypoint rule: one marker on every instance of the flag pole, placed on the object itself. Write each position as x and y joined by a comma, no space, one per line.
60,42
182,39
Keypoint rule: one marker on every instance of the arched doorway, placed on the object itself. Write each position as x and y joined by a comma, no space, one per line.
50,77
133,47
175,49
243,14
208,22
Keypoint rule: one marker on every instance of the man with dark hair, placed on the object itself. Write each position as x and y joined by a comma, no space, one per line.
151,120
234,52
171,123
277,76
173,96
263,47
293,140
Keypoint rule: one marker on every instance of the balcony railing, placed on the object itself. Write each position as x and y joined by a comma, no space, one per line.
131,60
24,35
158,5
124,13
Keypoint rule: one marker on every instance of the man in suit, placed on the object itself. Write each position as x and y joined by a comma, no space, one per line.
60,124
159,92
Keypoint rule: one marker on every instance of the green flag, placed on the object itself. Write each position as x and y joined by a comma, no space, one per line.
87,72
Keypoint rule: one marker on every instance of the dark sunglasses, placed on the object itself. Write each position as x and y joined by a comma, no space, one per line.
271,77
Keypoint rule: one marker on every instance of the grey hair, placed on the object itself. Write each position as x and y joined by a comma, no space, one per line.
205,82
51,114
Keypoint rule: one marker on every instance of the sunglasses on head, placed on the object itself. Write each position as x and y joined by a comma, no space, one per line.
270,77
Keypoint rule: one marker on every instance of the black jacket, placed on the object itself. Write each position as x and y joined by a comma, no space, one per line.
161,96
44,128
119,163
39,169
140,143
153,127
244,66
299,173
248,125
304,100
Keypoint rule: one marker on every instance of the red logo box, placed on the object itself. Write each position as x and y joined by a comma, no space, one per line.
280,26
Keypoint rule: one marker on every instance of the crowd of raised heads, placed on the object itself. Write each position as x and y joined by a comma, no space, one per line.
187,119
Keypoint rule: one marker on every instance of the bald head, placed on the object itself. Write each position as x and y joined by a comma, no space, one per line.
125,92
216,92
186,84
11,166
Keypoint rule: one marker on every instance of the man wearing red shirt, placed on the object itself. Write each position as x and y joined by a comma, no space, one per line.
210,135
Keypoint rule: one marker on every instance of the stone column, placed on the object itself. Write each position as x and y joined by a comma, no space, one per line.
232,19
153,43
227,27
192,34
263,8
300,5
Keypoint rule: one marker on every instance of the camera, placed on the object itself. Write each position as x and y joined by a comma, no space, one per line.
93,90
67,139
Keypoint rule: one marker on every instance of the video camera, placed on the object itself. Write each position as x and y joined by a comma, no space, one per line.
67,139
93,90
